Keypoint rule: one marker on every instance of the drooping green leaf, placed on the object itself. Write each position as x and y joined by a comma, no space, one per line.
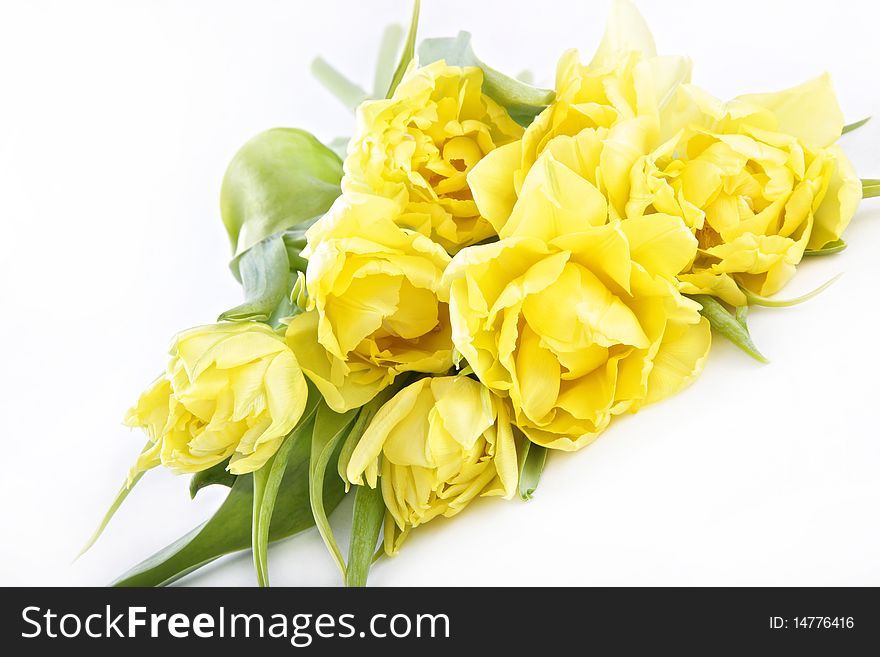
114,507
278,180
124,490
409,50
329,429
731,327
229,529
366,521
343,89
267,481
531,467
757,300
522,101
870,187
832,247
217,474
856,124
265,277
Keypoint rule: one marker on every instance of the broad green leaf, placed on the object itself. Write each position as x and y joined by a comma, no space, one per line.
267,481
531,468
229,529
343,89
278,180
392,38
852,126
328,431
832,247
409,50
731,327
522,101
366,521
217,474
265,277
757,300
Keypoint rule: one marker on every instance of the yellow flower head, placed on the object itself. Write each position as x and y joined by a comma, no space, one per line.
576,319
372,297
605,116
420,144
436,445
230,390
758,180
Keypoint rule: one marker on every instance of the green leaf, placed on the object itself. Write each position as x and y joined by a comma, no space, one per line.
329,428
265,276
267,481
852,126
731,327
409,50
523,101
229,529
217,474
832,247
870,187
114,507
388,46
343,89
757,300
279,179
366,521
368,412
531,468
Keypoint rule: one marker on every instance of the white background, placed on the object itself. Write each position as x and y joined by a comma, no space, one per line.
117,120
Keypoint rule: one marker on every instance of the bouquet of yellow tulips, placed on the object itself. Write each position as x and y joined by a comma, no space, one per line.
490,272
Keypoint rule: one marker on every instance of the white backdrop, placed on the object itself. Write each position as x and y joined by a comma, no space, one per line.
117,120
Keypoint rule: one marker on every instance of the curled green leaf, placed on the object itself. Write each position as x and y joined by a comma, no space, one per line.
728,325
832,247
278,180
264,271
217,474
757,300
366,521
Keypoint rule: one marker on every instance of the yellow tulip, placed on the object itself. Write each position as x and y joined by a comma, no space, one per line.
758,180
419,145
606,115
575,319
372,292
435,446
230,390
